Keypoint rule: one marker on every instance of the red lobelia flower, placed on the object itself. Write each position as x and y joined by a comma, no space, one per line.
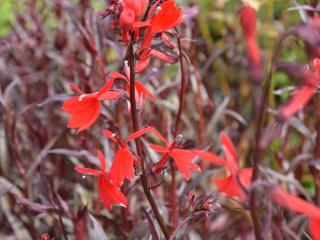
85,109
248,18
311,81
293,203
165,16
237,179
123,163
109,194
182,157
132,10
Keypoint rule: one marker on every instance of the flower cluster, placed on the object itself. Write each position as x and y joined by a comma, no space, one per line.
139,24
136,21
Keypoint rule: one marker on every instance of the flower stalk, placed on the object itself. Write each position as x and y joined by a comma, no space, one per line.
136,126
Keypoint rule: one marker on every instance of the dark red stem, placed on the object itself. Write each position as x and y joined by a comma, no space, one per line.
257,151
173,199
136,126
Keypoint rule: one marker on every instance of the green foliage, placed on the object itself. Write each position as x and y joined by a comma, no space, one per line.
7,16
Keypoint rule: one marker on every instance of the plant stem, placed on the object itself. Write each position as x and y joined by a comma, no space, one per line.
182,89
173,199
257,153
136,126
315,172
257,148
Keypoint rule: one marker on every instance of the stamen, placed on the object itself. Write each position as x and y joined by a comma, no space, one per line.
157,9
81,97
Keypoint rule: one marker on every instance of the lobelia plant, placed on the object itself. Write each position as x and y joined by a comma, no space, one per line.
140,23
158,19
191,121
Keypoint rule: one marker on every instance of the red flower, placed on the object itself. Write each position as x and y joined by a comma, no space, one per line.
85,109
293,203
132,10
311,81
248,18
237,179
166,16
141,91
108,193
123,163
182,157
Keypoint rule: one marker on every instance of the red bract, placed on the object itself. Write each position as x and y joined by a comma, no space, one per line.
108,193
85,109
123,163
237,179
293,203
248,18
182,157
311,81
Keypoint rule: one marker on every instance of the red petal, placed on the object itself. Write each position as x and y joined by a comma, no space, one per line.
183,159
83,112
293,203
230,187
314,227
226,141
158,135
248,18
169,16
126,19
158,148
299,99
138,6
122,167
88,171
116,75
92,117
76,104
162,56
110,95
107,86
109,135
230,152
167,40
110,195
138,133
75,88
245,176
141,65
103,162
254,53
161,163
147,38
141,24
146,93
204,155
